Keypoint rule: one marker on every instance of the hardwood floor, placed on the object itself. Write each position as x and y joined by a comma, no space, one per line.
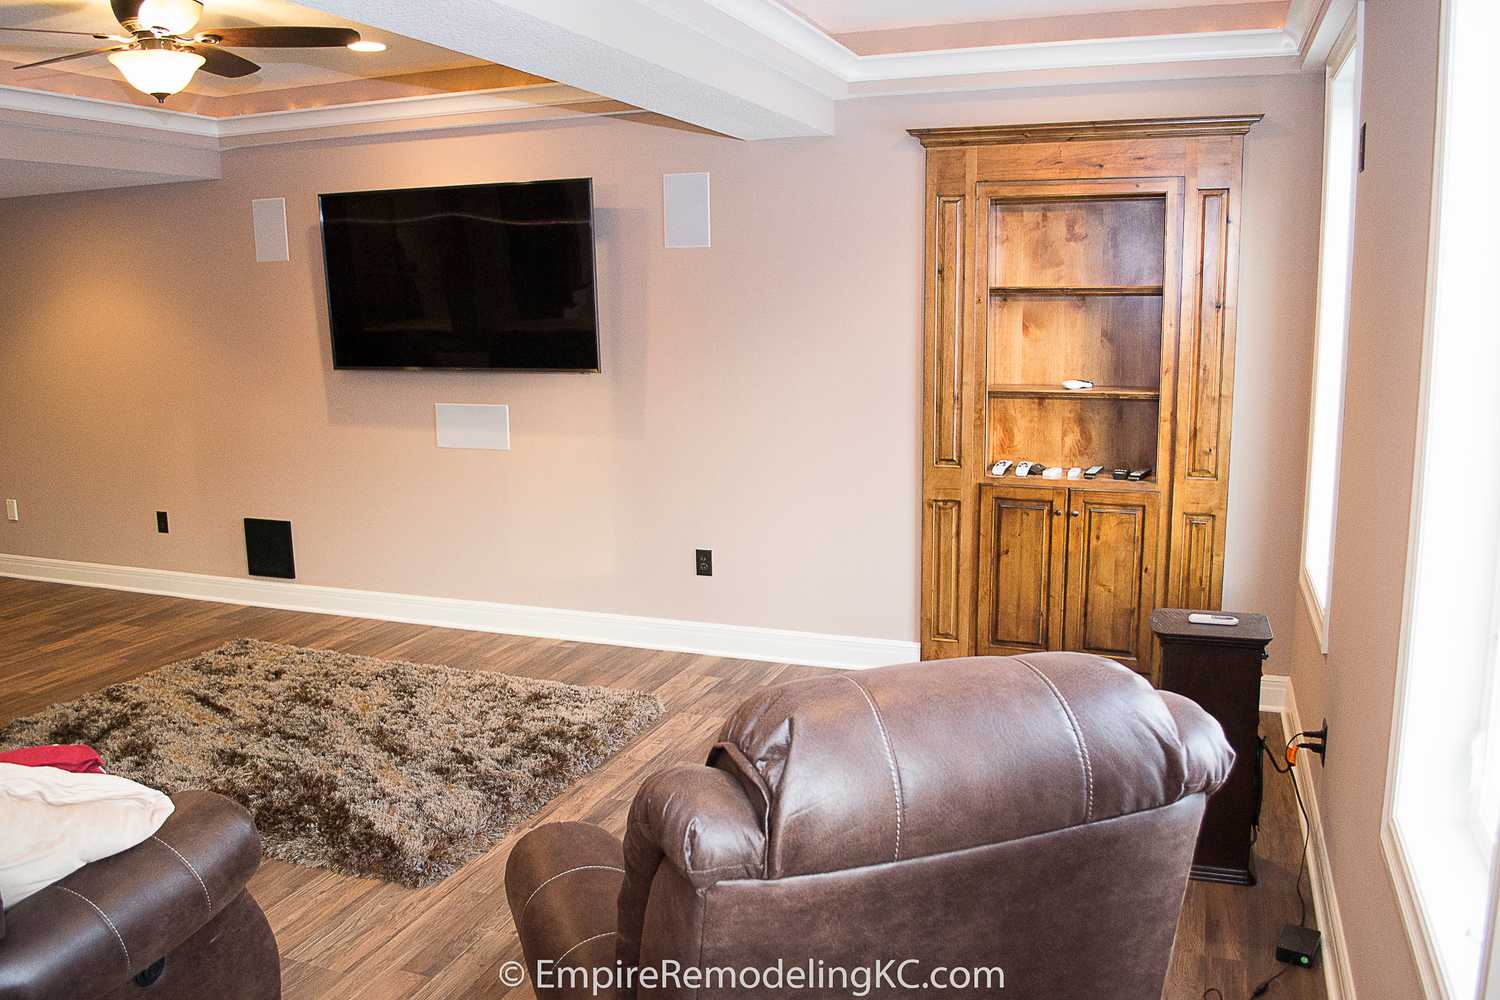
344,937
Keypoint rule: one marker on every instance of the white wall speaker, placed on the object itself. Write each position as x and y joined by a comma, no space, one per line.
268,215
473,425
685,210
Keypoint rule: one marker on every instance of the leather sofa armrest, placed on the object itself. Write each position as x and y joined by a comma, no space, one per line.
1207,756
699,821
108,921
562,881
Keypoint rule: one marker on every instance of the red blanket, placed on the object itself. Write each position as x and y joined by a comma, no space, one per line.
69,757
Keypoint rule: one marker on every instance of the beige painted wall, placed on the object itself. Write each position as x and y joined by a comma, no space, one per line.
760,397
1353,687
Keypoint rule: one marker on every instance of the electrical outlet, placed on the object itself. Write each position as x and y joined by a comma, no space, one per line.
12,511
705,562
161,522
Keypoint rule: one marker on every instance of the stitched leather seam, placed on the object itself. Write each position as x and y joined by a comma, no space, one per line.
890,756
105,917
737,867
580,944
201,884
580,868
1083,749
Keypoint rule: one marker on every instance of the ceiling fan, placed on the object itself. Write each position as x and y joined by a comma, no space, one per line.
159,51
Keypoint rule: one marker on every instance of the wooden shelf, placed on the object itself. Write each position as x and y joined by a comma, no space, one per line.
1020,291
1058,392
1102,482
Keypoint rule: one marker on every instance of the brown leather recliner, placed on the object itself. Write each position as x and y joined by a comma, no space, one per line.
1035,814
169,919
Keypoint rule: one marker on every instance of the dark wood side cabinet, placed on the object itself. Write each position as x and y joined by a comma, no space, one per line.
1218,666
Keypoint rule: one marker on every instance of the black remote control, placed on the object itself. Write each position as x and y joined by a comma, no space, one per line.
1120,474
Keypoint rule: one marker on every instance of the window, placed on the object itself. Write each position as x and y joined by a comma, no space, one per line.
1340,145
1443,805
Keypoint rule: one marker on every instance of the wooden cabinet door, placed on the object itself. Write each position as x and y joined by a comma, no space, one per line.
1022,549
1111,575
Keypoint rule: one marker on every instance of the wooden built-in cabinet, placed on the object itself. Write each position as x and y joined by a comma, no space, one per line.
1065,568
1104,251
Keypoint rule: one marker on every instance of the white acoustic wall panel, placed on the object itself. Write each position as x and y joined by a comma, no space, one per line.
269,218
473,425
685,210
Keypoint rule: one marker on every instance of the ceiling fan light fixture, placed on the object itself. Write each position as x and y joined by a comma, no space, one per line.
366,45
158,72
175,17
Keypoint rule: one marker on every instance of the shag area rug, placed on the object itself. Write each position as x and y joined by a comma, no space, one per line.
400,771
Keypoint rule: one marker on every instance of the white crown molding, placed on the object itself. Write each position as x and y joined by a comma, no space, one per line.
426,106
1302,18
713,639
181,123
1101,53
92,109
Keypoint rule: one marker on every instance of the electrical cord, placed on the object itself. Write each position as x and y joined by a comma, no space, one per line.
1263,987
1290,772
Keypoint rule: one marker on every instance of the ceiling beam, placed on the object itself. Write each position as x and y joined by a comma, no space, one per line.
681,58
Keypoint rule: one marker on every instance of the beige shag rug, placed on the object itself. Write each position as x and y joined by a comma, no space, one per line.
400,771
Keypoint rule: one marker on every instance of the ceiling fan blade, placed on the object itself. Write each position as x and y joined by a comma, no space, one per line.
281,37
71,55
222,62
77,34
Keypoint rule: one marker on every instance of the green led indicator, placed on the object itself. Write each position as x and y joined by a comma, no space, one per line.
1305,960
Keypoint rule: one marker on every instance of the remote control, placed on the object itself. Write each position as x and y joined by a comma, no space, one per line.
1075,473
1001,468
1037,469
1120,473
1199,618
1092,471
1077,384
1022,468
1139,474
1054,472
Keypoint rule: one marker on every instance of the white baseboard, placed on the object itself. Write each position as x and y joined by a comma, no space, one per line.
709,638
1336,971
1275,693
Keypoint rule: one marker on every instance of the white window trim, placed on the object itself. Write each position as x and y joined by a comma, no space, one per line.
1414,915
1347,47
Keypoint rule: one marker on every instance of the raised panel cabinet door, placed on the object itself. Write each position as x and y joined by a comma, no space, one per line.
1022,550
1111,575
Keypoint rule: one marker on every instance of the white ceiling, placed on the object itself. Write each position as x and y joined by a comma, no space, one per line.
844,16
281,68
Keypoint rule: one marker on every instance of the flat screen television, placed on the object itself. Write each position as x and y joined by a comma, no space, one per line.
479,276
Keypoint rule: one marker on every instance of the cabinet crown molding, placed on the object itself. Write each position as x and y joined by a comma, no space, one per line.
1129,128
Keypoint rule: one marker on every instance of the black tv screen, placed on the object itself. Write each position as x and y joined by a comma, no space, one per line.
480,276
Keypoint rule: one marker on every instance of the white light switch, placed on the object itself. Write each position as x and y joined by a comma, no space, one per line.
268,215
685,210
12,511
473,425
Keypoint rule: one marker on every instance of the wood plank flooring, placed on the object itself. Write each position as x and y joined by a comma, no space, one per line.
344,937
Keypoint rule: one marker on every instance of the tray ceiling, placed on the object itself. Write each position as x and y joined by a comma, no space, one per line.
282,69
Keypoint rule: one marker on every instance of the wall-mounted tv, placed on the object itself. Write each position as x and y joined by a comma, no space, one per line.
479,276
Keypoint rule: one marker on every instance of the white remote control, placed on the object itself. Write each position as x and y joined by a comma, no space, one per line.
1200,618
1022,470
1000,468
